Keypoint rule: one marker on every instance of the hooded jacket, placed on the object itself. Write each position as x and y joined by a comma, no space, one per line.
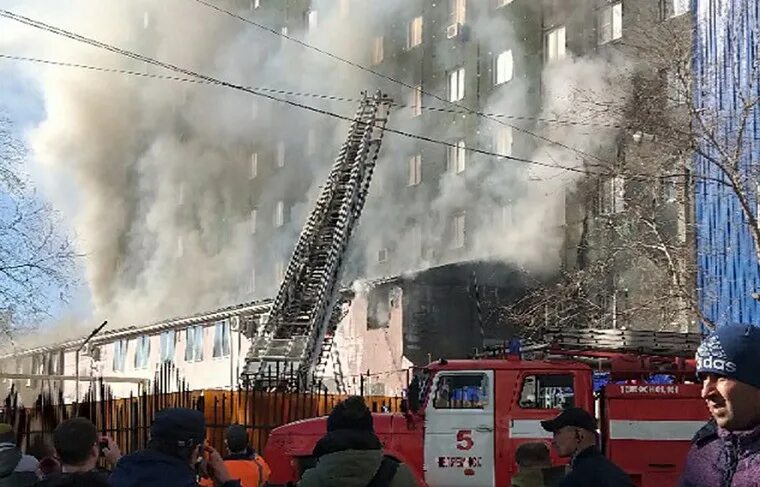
16,469
151,468
351,458
720,458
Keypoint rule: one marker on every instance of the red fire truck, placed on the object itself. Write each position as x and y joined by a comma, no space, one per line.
465,418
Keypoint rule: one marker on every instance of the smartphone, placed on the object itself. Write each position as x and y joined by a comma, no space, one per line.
103,445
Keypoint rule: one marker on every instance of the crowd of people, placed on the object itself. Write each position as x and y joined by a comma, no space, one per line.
724,453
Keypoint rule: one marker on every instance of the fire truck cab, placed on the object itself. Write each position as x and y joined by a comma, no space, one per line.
465,419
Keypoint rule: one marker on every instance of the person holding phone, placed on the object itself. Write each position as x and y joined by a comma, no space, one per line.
177,455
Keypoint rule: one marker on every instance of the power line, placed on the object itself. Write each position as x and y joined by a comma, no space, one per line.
395,80
322,96
215,81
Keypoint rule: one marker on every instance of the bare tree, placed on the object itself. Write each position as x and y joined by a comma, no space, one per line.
37,263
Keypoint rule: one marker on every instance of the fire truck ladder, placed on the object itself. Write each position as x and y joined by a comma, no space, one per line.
302,313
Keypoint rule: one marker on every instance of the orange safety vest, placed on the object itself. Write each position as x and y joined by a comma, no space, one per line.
252,472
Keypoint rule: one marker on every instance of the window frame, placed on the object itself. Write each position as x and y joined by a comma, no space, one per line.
415,101
254,166
222,340
548,36
164,355
120,350
378,50
459,230
142,352
609,21
537,376
456,84
414,32
457,157
497,81
415,170
484,384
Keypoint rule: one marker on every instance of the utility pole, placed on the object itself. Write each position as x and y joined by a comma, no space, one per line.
76,359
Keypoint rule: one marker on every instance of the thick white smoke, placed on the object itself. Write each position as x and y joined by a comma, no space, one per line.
160,171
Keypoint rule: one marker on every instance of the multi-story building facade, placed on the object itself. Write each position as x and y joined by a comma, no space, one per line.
518,81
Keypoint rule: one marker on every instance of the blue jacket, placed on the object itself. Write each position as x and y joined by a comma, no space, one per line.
150,468
590,468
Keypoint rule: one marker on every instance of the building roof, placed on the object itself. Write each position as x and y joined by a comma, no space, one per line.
254,307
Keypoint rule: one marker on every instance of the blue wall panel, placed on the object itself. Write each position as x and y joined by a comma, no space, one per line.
727,33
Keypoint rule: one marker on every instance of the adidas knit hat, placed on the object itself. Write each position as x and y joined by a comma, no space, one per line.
732,351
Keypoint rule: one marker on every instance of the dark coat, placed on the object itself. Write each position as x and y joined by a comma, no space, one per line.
12,473
720,458
590,468
150,468
94,478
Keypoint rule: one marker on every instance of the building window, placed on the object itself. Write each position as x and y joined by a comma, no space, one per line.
415,235
465,391
502,3
504,215
254,217
311,20
669,190
456,85
610,23
181,194
180,246
222,339
458,231
457,11
503,67
146,20
279,214
457,157
415,101
252,282
311,142
279,271
612,195
502,140
283,36
280,156
415,170
377,50
120,348
547,392
382,255
555,44
254,165
414,36
194,344
168,343
379,307
673,8
142,352
255,4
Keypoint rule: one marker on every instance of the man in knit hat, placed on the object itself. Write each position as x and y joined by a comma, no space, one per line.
351,455
726,451
16,469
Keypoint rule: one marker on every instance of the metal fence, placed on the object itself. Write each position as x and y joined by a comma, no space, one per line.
128,420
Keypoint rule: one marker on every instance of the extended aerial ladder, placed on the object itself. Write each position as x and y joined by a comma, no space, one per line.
296,338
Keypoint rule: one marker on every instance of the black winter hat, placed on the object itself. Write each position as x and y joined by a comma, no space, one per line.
237,438
351,414
179,426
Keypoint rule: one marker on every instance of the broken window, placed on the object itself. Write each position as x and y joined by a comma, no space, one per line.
415,170
555,44
142,352
458,230
377,50
456,84
503,140
311,20
547,392
457,157
414,36
279,213
382,255
457,11
254,165
280,156
378,307
610,23
415,101
503,67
